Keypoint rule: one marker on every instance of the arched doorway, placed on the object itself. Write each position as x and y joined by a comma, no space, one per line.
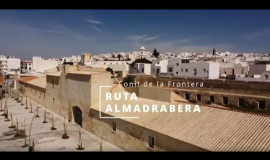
77,113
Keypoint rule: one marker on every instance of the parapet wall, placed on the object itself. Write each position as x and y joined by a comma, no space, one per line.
228,86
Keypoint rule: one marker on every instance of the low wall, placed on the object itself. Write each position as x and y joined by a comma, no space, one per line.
229,86
132,137
155,94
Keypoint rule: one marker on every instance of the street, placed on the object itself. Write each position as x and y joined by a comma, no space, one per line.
45,138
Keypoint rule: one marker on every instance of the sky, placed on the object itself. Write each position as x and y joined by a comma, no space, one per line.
58,33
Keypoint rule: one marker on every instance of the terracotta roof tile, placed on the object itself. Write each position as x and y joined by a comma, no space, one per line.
26,79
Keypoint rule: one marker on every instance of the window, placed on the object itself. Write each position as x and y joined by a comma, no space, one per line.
53,100
212,99
151,142
44,96
114,127
199,97
266,76
225,100
261,105
187,96
241,102
142,69
52,83
170,69
186,70
177,64
176,72
39,94
204,70
182,70
194,71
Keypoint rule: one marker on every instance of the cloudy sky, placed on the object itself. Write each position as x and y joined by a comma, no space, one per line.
58,33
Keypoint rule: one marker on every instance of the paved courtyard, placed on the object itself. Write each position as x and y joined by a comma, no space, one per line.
47,140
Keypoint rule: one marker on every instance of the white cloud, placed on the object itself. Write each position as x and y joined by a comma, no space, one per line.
259,34
96,28
150,38
179,46
141,37
94,21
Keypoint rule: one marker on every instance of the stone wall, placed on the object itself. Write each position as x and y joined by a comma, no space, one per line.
132,137
240,87
233,100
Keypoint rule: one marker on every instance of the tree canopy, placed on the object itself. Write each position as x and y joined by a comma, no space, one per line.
156,53
109,70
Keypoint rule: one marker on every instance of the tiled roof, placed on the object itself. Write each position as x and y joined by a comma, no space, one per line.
26,79
212,129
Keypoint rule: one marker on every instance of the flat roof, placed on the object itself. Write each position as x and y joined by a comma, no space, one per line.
54,74
39,82
26,79
84,72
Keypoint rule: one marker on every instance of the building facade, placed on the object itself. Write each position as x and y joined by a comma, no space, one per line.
181,67
73,93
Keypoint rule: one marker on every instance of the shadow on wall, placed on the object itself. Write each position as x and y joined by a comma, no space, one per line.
78,77
131,137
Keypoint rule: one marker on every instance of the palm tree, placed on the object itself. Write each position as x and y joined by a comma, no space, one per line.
119,56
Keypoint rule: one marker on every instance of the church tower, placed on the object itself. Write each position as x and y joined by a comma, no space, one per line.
214,51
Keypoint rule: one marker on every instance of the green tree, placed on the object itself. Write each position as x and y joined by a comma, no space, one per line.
128,81
156,53
109,70
119,56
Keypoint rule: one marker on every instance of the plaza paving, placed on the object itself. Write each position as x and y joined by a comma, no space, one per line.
47,140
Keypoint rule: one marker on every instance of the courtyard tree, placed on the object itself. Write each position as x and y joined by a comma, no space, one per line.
101,145
12,124
24,135
26,103
1,105
80,146
31,106
52,122
6,116
37,115
17,129
45,116
22,100
65,135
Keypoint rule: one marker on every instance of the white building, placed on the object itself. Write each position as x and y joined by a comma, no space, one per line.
159,66
3,62
13,65
10,65
180,67
264,77
258,68
105,64
41,64
26,66
143,68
